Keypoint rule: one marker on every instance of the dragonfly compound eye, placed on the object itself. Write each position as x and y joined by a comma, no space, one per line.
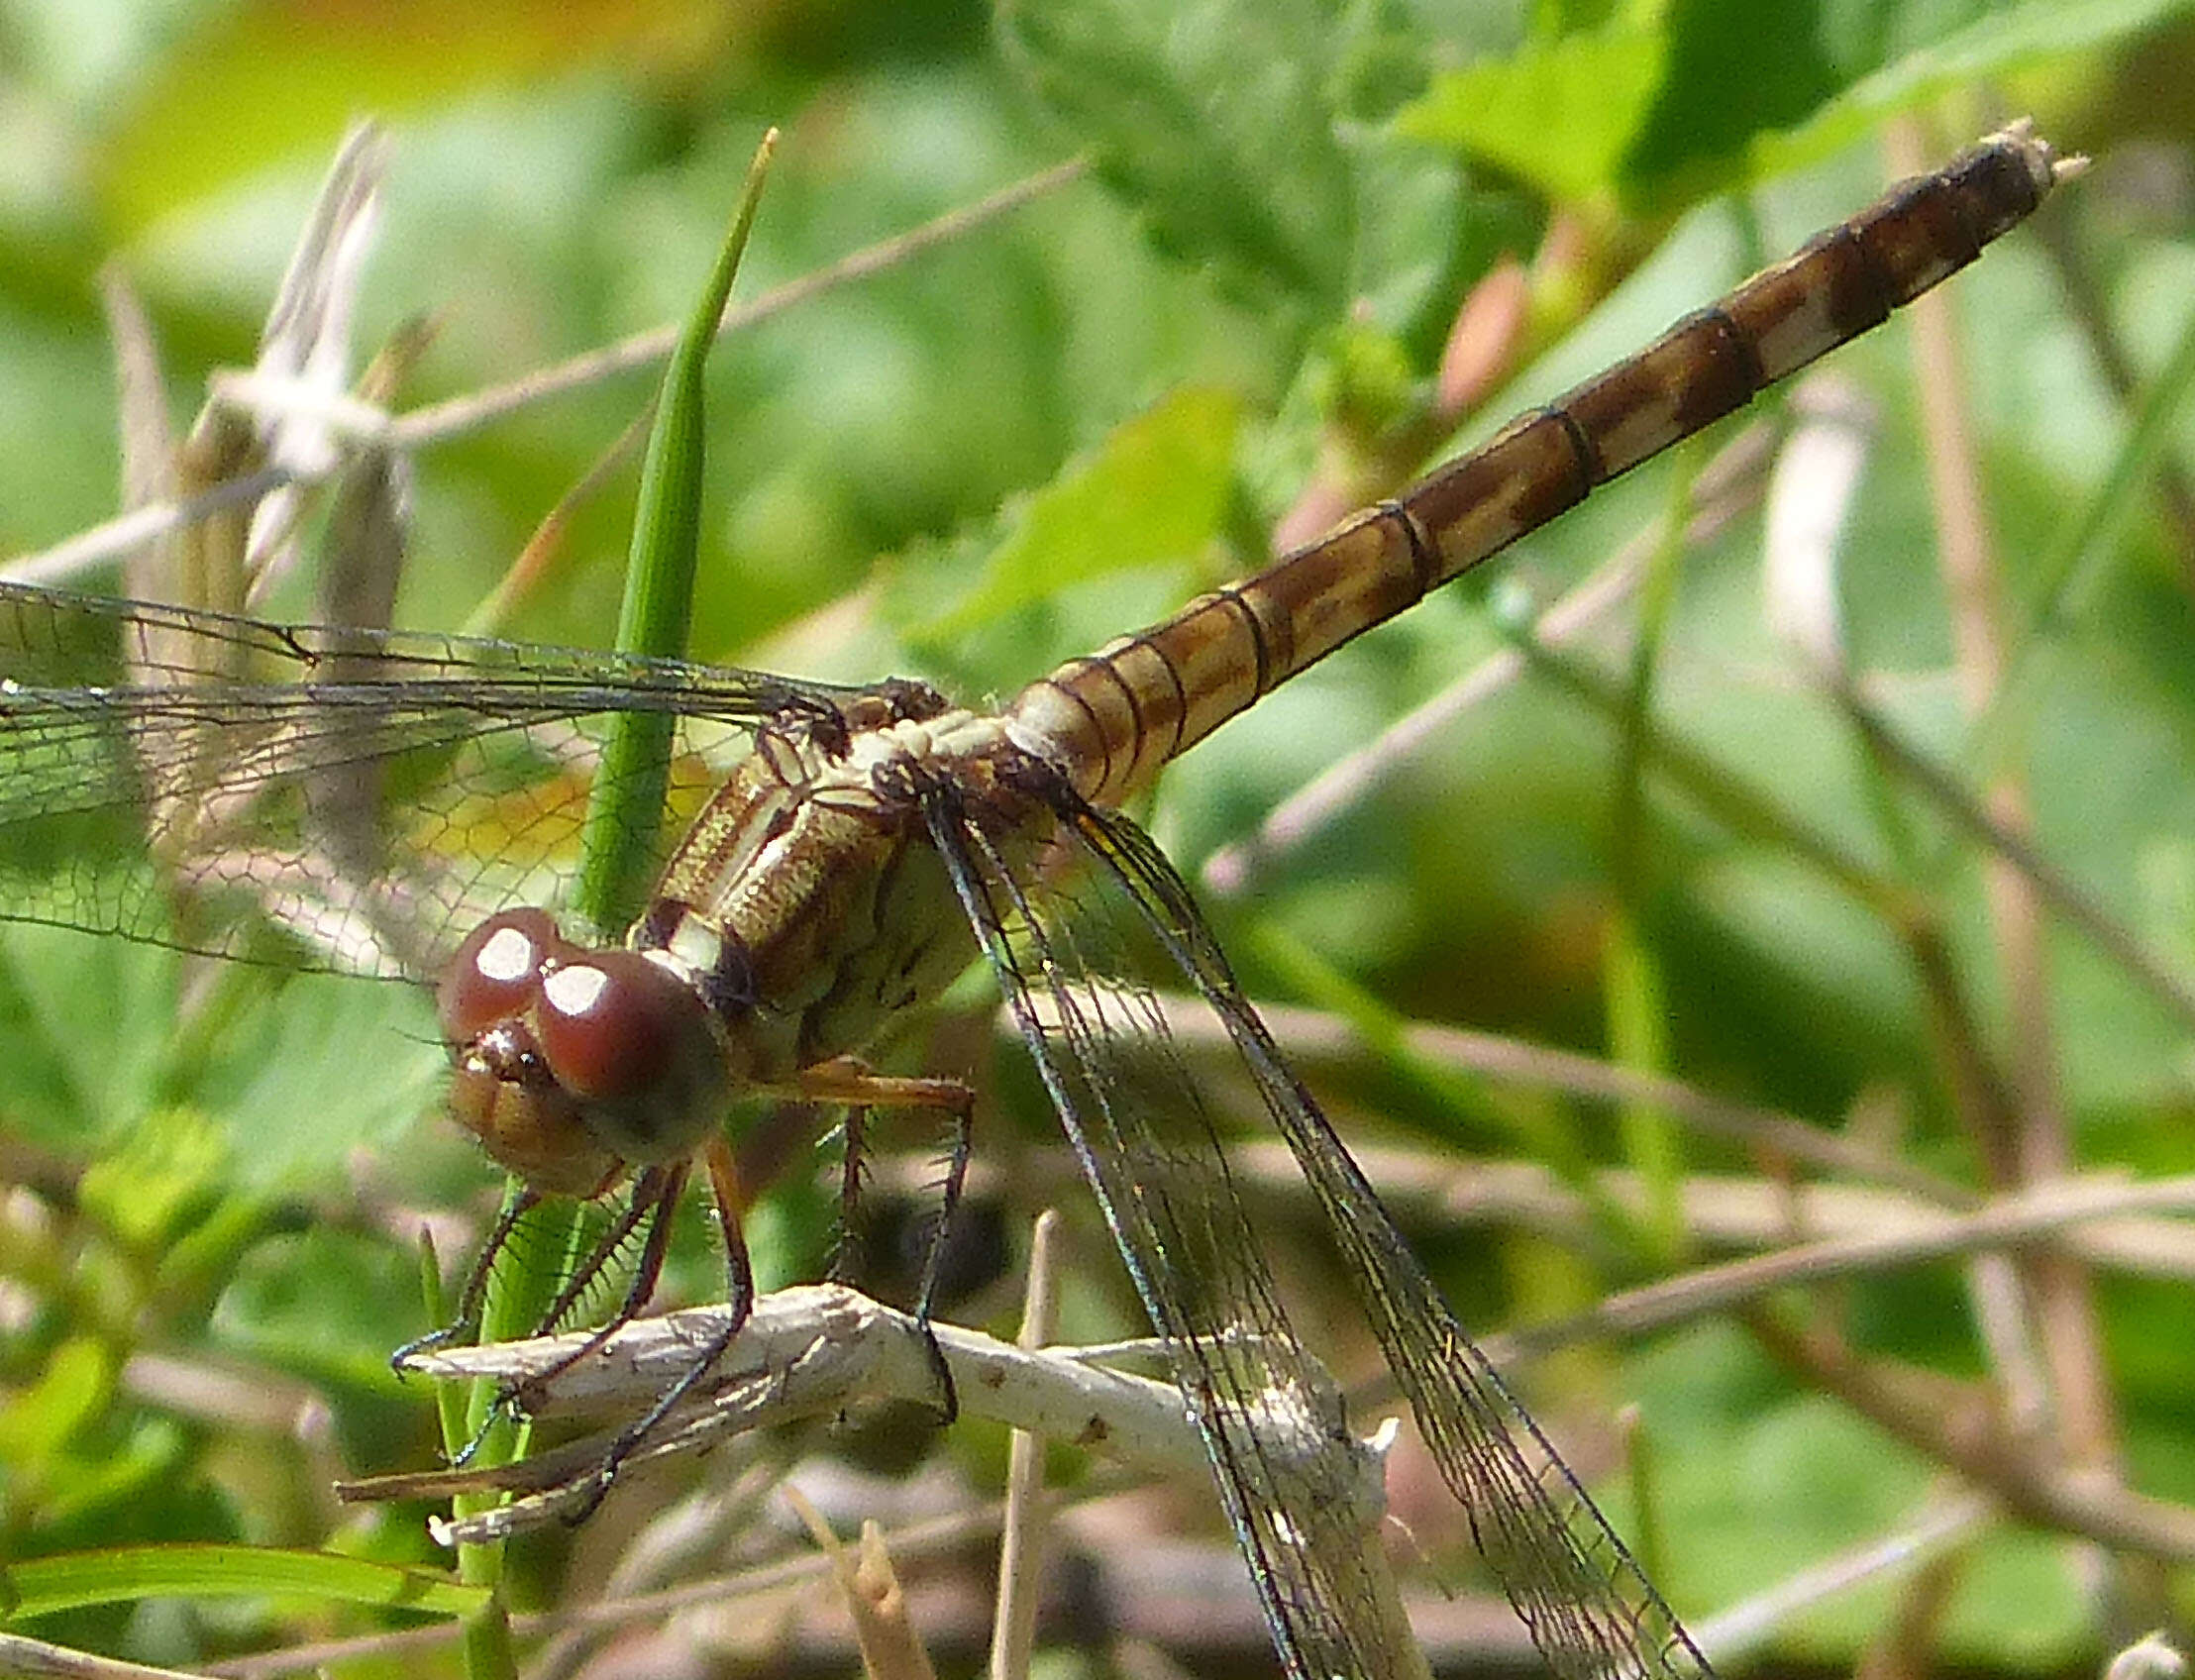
497,972
634,1046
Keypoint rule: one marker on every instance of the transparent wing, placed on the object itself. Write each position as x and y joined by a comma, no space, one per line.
193,778
1301,1495
1589,1609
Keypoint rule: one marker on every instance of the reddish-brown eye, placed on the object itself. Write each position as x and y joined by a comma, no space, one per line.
633,1045
496,971
608,1020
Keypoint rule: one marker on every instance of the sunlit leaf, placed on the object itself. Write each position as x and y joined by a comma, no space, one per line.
1153,492
1561,115
38,1423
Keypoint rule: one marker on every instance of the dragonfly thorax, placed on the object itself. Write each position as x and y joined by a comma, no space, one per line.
814,866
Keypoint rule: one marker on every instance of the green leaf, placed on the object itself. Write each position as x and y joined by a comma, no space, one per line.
170,1169
288,1091
1215,119
113,1483
1561,114
91,1023
329,1304
1154,491
625,810
72,1581
1664,109
38,1423
87,1022
1728,75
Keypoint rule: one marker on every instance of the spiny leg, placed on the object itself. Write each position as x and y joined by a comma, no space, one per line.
731,1202
844,1082
846,1256
962,1148
512,1399
848,1082
471,1302
655,1198
466,1325
584,1274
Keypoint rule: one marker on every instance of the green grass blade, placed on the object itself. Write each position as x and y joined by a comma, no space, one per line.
123,1574
618,844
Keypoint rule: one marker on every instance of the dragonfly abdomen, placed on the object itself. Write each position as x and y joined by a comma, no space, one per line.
1112,719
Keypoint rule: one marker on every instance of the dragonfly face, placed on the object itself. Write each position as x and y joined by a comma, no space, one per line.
571,1063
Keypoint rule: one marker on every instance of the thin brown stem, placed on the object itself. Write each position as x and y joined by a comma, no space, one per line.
2038,1147
1956,1425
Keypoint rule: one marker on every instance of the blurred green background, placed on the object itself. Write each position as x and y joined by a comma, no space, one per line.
1054,426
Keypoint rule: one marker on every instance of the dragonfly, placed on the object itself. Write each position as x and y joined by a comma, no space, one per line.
396,804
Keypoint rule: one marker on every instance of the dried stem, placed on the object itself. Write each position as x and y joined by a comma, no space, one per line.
1956,1425
118,538
2038,1148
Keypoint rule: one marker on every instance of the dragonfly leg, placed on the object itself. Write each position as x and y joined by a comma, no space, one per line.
962,1147
846,1255
471,1299
647,1196
848,1082
725,1187
466,1325
655,1198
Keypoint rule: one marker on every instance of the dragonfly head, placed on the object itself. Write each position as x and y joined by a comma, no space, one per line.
573,1063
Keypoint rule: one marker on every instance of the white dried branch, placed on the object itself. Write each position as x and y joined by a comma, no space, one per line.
307,342
2151,1657
439,423
817,1349
2005,1222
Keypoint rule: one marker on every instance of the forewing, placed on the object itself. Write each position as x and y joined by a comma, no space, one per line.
1589,1609
199,779
1301,1495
